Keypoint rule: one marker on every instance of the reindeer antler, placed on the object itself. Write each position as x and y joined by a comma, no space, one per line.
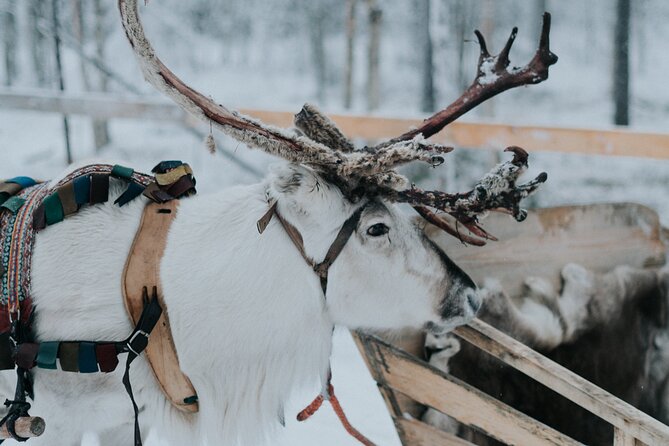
370,171
492,77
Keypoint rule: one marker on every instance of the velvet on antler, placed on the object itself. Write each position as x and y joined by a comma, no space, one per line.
370,171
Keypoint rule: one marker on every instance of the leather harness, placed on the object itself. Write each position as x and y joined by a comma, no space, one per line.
142,269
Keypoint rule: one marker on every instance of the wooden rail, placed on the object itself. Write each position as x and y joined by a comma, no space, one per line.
610,141
399,373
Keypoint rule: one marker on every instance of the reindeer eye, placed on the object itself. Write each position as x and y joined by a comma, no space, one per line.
378,230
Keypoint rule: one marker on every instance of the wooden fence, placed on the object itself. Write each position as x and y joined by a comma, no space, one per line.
486,135
397,372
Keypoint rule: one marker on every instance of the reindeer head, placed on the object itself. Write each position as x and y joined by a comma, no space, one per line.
331,187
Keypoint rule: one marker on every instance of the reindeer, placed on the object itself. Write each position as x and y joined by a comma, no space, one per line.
281,291
610,328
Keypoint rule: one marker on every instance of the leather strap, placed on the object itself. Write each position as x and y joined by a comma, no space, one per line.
142,270
322,268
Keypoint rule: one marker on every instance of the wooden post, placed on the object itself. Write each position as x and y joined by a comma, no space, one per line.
620,438
27,427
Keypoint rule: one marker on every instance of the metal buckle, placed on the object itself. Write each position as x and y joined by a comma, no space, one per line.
132,338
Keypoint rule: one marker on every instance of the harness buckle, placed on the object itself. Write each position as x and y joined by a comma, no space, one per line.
139,344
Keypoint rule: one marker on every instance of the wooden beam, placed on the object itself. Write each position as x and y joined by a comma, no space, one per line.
605,141
620,438
417,433
432,387
620,414
482,135
95,105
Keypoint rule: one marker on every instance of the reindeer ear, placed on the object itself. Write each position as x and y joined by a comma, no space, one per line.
290,179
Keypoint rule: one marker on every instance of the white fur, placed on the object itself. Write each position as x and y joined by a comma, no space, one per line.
248,316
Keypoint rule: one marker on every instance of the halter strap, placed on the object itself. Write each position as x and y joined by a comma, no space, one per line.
322,268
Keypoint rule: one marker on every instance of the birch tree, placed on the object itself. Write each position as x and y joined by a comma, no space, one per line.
374,19
350,47
9,39
621,64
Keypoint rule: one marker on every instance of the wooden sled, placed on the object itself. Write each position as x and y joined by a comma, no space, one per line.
598,237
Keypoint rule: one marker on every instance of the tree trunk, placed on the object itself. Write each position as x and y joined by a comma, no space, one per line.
100,127
350,46
373,87
427,96
316,16
488,29
621,75
462,28
59,74
79,31
9,41
39,45
542,6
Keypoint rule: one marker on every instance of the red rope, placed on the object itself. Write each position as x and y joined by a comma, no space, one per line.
311,408
318,402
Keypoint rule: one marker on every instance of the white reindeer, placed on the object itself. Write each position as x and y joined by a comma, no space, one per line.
249,318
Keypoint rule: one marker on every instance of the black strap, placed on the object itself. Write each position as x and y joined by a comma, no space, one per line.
18,407
136,344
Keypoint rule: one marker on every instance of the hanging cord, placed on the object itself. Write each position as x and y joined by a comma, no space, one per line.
329,395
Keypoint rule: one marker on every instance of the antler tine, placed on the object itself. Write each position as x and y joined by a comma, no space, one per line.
247,130
320,128
496,191
363,163
492,78
443,224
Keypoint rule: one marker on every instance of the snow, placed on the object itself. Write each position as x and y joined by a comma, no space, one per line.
272,71
488,75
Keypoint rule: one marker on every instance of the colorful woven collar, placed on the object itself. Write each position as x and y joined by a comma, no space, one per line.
27,206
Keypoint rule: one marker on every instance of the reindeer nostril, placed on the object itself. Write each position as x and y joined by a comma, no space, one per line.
473,300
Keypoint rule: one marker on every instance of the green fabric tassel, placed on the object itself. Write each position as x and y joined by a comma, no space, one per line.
13,204
122,172
53,209
46,356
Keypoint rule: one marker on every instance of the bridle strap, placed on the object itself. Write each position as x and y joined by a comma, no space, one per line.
337,246
322,268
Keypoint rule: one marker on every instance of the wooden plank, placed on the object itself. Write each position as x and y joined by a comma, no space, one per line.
605,141
620,438
620,414
96,105
485,135
418,433
433,388
598,237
